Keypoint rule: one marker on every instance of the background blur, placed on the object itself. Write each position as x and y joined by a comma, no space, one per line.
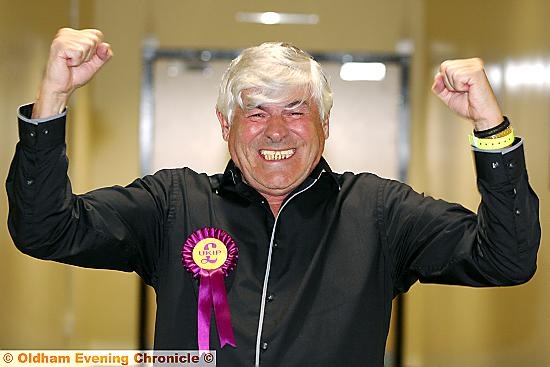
46,305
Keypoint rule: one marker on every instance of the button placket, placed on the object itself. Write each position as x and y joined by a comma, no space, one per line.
262,345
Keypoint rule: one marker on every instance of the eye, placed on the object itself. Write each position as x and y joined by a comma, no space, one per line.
293,114
256,115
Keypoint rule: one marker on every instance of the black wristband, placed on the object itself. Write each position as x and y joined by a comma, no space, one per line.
492,131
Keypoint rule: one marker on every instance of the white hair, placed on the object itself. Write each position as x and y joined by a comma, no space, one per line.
268,72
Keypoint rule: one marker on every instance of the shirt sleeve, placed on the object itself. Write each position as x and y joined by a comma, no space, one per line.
434,241
25,113
112,228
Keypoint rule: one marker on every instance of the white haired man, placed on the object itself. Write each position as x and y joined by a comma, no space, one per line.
312,258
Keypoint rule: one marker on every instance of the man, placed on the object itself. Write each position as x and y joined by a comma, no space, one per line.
320,255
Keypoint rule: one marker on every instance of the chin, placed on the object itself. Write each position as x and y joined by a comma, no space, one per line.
282,187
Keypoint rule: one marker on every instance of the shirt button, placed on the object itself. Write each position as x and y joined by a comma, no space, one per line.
511,165
29,181
495,164
518,212
45,131
270,297
275,245
264,345
32,134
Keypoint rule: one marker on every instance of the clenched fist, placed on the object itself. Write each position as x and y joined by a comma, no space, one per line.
463,86
75,57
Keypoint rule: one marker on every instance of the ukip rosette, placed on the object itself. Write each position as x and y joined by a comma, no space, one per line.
210,254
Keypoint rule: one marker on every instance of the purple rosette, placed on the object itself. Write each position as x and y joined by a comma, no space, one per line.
210,254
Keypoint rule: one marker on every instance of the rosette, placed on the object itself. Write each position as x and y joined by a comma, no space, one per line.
210,254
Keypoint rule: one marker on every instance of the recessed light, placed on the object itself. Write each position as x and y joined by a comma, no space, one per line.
271,17
372,71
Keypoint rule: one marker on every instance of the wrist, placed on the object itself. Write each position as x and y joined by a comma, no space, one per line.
49,104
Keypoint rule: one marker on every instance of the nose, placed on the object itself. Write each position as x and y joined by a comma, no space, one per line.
276,129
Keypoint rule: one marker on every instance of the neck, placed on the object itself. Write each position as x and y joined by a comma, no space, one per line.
275,203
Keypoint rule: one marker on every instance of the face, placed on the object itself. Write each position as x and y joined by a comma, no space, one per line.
276,146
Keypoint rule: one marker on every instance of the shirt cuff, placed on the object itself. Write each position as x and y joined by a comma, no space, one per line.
40,133
25,113
500,166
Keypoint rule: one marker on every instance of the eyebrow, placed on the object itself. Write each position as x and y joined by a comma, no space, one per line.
296,103
288,106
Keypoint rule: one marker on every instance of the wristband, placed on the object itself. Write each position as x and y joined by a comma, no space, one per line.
489,144
501,134
495,130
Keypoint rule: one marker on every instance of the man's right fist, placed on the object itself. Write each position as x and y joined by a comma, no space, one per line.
75,56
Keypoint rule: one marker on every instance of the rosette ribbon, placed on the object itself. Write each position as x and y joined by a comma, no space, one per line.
210,254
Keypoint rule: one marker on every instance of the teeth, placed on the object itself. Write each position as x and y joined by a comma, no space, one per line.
273,155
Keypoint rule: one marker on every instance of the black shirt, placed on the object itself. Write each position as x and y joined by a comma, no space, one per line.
312,286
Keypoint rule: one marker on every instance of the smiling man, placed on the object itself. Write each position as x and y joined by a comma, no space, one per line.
298,264
276,146
275,131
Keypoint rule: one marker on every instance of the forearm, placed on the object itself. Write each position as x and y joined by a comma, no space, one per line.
46,220
39,156
438,242
508,218
39,190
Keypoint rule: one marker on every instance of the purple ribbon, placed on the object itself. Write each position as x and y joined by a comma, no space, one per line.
212,287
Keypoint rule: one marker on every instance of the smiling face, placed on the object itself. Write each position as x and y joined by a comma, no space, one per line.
276,146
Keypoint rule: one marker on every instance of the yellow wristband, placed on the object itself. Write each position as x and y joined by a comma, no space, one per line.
501,134
489,144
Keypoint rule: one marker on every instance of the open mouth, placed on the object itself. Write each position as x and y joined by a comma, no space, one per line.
276,155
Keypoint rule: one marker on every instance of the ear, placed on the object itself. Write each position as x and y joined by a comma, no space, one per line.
326,125
225,125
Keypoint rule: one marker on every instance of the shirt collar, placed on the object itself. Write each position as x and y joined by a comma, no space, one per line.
233,182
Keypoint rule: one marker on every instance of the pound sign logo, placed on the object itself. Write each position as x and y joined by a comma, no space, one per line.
207,253
210,253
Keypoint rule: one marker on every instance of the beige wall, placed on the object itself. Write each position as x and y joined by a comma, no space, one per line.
53,306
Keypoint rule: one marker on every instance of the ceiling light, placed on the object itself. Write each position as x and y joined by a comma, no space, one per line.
271,17
372,71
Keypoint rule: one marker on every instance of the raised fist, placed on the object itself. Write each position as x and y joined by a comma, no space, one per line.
463,86
75,57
